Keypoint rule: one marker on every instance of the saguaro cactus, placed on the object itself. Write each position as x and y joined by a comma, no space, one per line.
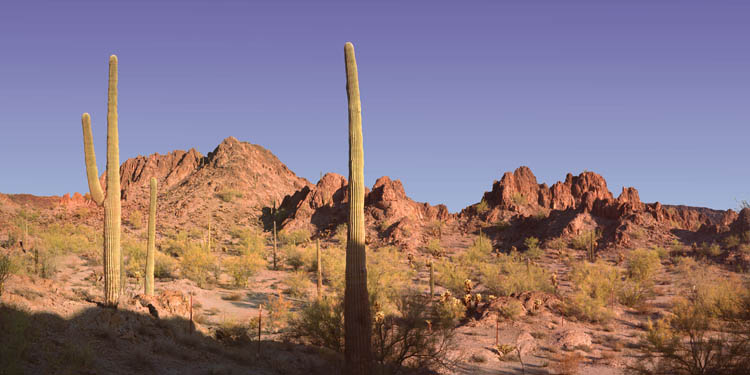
151,247
320,269
111,203
357,324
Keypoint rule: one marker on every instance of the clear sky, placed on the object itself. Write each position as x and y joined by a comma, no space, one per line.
649,93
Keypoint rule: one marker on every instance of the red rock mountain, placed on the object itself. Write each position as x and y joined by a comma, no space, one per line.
390,215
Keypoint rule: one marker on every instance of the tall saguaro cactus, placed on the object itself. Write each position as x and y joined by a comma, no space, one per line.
319,280
151,247
110,202
357,324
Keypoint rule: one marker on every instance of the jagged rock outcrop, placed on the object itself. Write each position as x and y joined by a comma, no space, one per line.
391,216
518,195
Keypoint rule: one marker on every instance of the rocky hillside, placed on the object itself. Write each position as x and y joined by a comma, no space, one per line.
584,203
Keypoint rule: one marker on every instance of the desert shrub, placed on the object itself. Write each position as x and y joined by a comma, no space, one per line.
278,312
164,265
250,241
436,228
176,243
532,248
295,238
334,267
512,309
451,275
448,310
643,264
509,274
233,332
340,234
479,251
568,363
198,265
68,238
662,252
228,195
321,323
5,266
405,339
47,263
243,267
388,278
709,250
558,243
135,219
732,241
298,284
482,206
596,285
435,248
518,199
641,268
693,340
584,240
299,257
134,253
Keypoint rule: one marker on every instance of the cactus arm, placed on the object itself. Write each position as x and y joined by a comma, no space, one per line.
92,173
151,246
357,322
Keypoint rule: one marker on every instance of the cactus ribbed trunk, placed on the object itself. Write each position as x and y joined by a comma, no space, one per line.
209,233
320,269
432,281
274,243
357,323
151,247
111,203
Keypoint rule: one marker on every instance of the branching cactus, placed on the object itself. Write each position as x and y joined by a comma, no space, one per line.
110,202
151,247
357,322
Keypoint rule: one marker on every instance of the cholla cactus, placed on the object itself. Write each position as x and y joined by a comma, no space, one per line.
379,317
478,297
468,286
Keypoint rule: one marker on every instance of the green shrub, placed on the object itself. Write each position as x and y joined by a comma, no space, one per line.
518,199
482,206
164,265
584,240
502,225
321,323
451,276
134,253
136,219
642,265
479,251
434,248
298,284
512,309
334,266
558,243
340,234
532,248
298,257
198,265
732,241
388,278
709,250
243,267
228,195
295,238
596,286
250,241
509,274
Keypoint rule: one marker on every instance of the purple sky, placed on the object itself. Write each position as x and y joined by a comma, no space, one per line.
649,93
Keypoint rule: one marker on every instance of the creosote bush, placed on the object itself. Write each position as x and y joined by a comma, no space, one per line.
5,268
510,274
596,288
228,195
243,267
296,237
482,206
434,248
532,248
198,265
298,284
